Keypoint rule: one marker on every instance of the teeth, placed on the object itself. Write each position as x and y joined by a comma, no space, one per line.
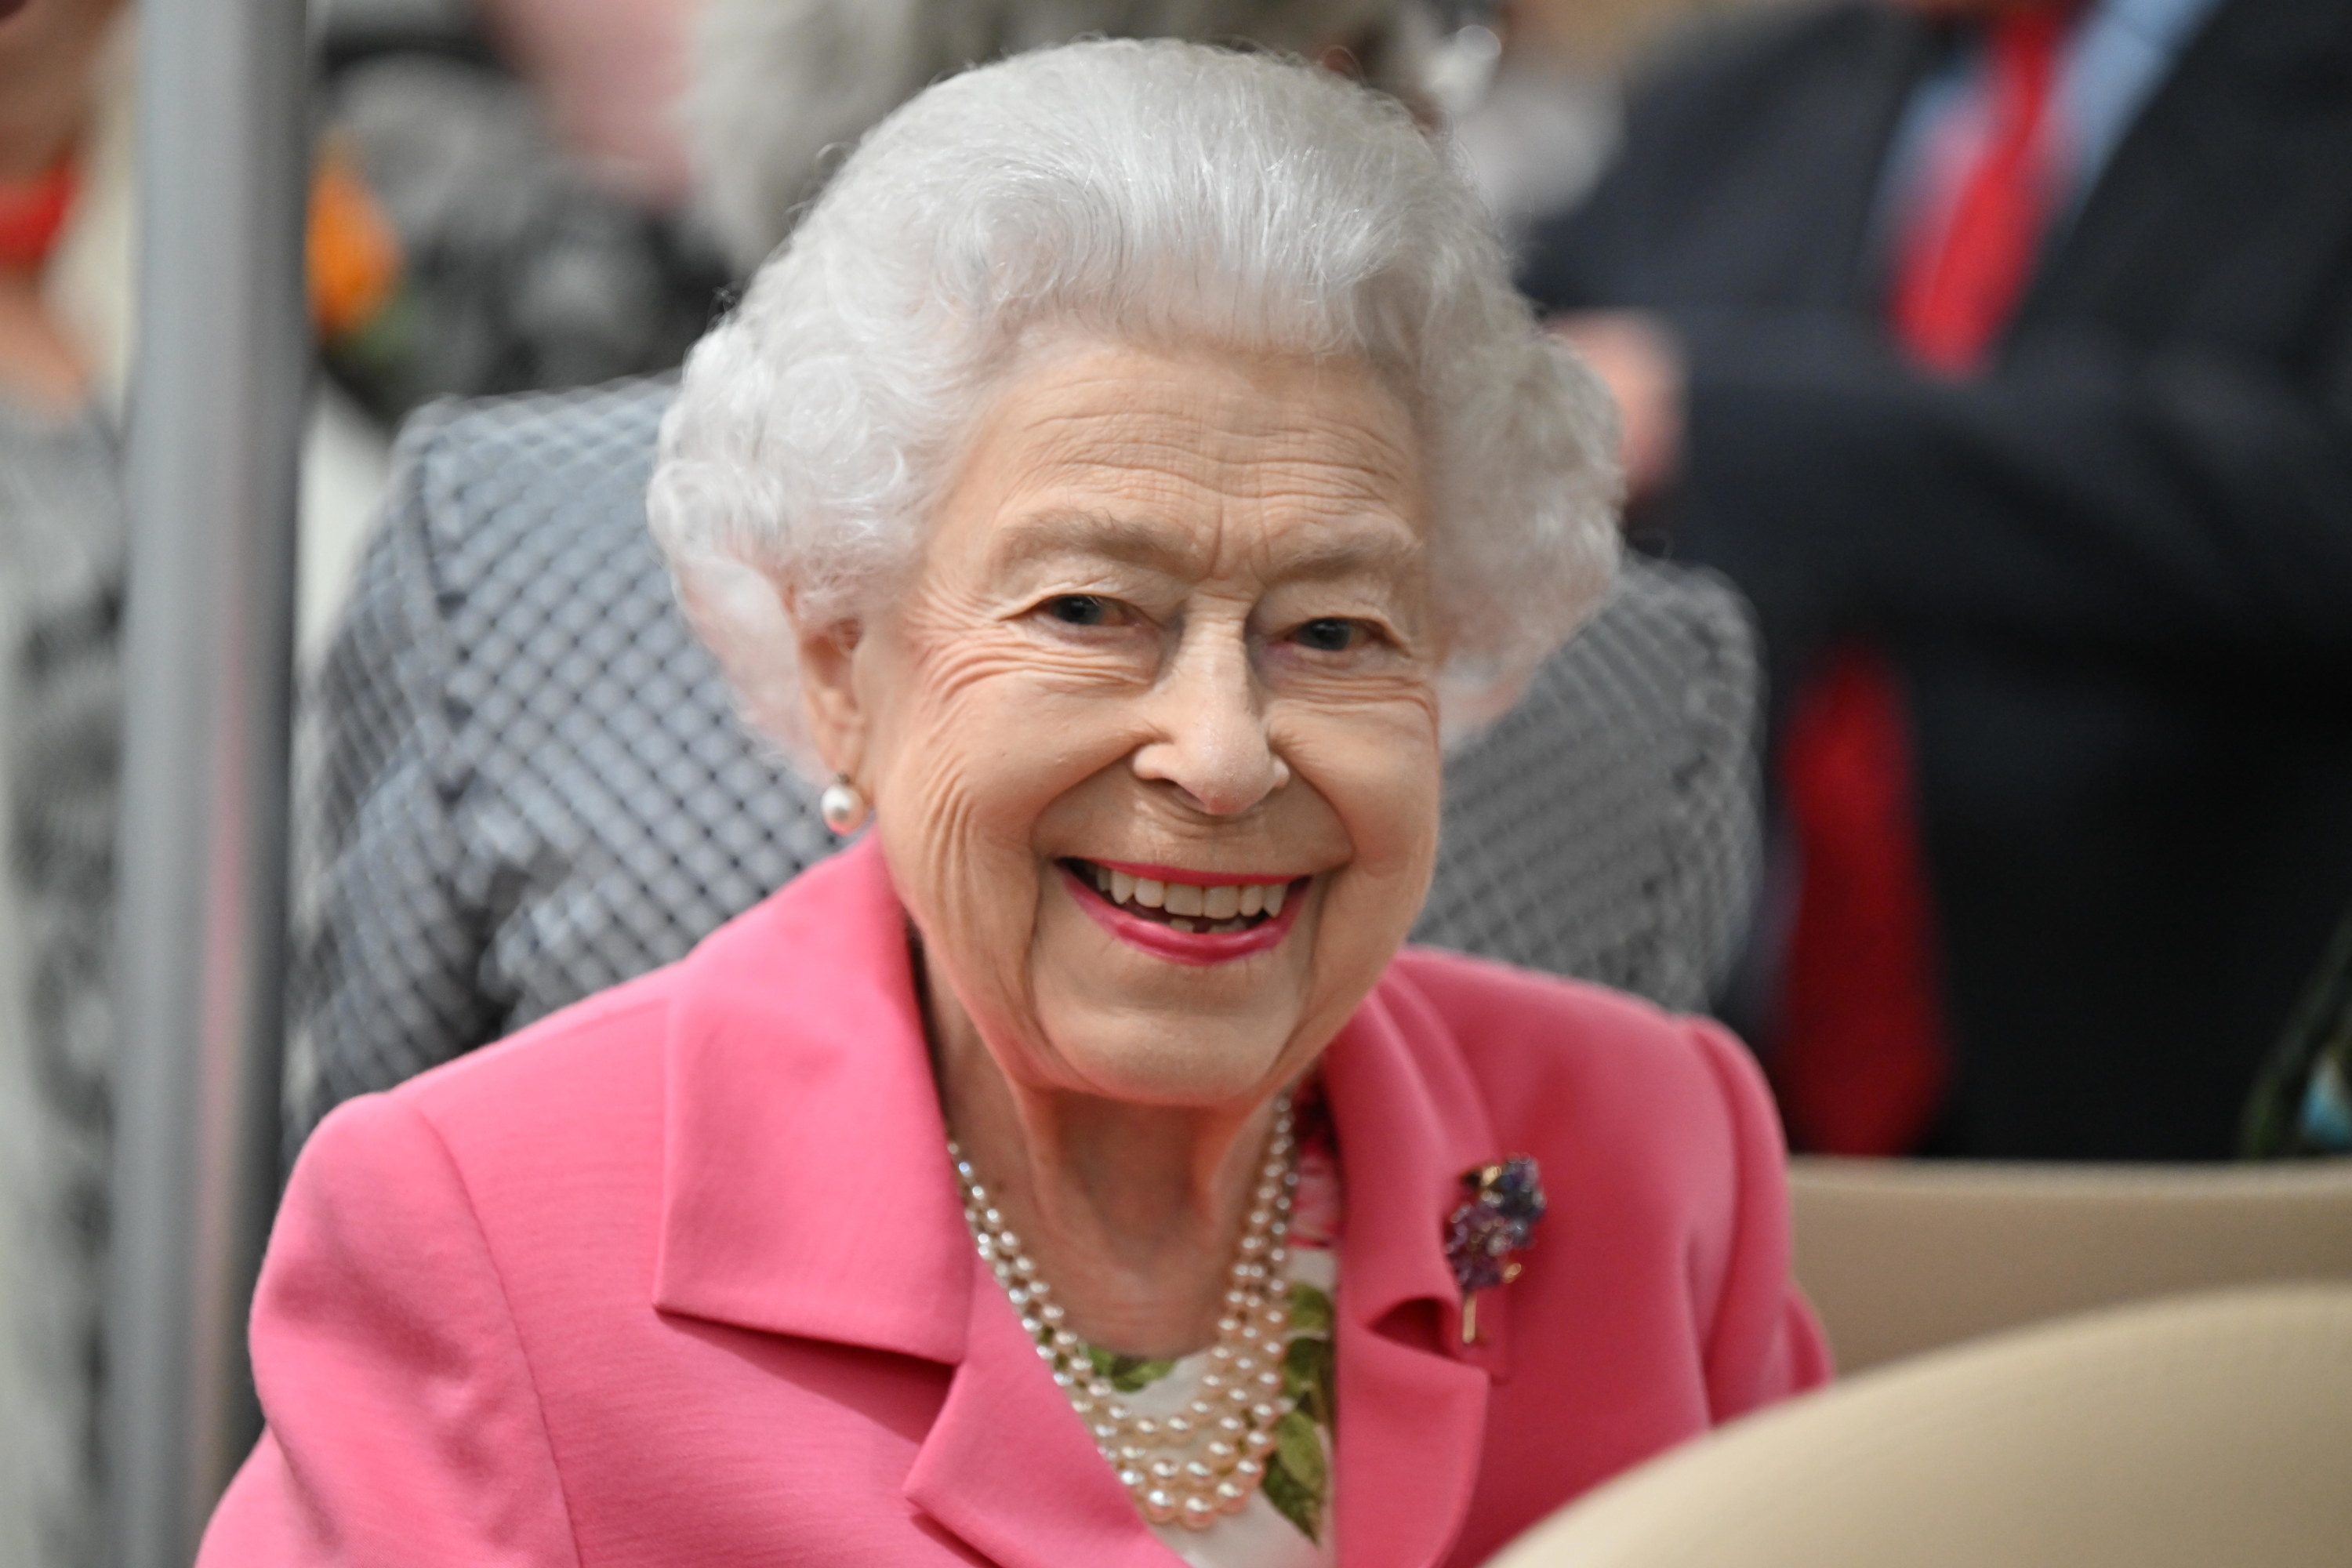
1194,907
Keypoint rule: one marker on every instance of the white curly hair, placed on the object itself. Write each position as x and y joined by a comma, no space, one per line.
1158,193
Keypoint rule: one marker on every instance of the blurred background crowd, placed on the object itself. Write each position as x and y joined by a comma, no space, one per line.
1985,376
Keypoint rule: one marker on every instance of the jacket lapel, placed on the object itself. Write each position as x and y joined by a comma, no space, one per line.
843,1226
1009,1467
1411,1397
1853,124
2201,166
847,1227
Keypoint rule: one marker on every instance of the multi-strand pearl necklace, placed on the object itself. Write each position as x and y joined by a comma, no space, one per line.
1204,1461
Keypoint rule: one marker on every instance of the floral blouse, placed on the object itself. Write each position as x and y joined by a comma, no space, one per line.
1288,1523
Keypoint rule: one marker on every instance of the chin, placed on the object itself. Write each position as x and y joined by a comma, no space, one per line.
1179,1062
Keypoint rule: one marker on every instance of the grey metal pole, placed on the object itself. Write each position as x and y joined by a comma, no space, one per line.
214,440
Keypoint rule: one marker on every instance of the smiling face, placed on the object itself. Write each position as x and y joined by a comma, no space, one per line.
1152,731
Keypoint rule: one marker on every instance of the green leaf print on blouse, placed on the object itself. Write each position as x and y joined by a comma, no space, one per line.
1128,1373
1310,1309
1298,1471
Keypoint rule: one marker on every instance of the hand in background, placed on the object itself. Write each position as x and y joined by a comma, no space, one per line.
1636,354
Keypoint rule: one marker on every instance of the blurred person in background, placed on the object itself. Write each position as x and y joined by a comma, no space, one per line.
497,207
533,781
65,199
1532,92
1122,487
518,166
1532,119
67,269
421,281
2001,351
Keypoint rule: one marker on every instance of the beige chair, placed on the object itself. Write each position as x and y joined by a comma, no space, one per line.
2210,1431
1901,1256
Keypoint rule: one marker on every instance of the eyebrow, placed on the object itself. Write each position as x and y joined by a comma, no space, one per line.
1137,540
1363,547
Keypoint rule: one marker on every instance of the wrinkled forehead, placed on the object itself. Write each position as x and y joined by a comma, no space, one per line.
1197,463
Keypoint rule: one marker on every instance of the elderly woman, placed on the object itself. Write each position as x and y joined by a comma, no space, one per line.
1130,472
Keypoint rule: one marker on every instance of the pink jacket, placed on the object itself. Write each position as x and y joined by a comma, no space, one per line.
679,1277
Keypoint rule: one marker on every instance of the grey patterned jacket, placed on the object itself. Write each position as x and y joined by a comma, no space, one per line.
526,782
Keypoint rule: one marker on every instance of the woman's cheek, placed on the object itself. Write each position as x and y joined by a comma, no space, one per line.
1381,766
983,764
1386,798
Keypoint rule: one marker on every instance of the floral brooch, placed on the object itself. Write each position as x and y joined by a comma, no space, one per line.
1506,1199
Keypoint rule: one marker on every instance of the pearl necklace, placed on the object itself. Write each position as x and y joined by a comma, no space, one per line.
1204,1461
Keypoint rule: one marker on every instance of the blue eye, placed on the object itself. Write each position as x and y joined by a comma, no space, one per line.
1329,635
1078,609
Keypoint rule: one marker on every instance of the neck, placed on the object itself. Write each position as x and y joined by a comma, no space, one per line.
1131,1212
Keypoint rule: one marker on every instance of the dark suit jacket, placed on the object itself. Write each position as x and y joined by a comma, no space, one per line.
2117,570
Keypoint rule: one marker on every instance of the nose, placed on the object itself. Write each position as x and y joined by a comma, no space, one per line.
1209,726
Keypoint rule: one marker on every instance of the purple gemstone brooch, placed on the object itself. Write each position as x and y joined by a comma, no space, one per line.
1506,1199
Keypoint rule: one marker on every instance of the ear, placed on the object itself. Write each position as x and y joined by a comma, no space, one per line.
836,716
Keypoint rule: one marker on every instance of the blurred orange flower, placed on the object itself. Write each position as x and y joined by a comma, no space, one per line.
354,256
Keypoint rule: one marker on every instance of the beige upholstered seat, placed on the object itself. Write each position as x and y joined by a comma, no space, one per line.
2208,1431
1901,1256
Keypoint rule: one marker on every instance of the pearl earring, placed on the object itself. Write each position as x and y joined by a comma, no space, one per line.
843,806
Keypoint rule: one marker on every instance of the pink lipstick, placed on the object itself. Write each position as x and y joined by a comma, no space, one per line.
1200,947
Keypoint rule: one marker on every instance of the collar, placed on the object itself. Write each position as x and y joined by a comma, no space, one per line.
845,1226
1410,1121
